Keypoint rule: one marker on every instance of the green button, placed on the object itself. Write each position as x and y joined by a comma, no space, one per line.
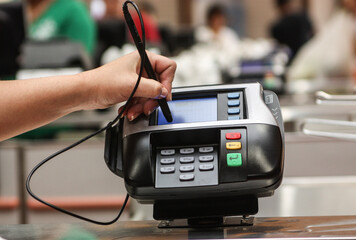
234,159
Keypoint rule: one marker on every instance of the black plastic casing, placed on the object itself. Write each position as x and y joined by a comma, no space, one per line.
132,156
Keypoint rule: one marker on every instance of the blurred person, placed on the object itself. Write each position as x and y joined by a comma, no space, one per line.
111,29
216,51
31,103
113,9
97,9
12,35
217,35
293,28
49,19
114,38
331,52
8,63
148,13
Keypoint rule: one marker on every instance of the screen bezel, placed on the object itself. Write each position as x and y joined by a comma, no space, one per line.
153,121
204,94
191,110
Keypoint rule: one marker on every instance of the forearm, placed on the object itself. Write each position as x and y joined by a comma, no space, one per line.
28,104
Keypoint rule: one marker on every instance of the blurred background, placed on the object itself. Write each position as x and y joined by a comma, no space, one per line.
293,47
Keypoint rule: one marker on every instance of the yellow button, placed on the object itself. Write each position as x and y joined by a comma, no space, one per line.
233,145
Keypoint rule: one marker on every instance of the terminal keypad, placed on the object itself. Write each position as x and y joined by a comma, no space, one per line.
187,166
204,165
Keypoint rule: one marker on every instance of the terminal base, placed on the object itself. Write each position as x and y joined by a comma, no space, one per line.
206,211
208,222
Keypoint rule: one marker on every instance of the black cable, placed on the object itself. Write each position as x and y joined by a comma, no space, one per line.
110,124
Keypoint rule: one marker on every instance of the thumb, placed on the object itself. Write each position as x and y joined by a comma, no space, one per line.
149,88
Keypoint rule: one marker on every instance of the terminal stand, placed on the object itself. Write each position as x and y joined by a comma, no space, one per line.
208,222
203,213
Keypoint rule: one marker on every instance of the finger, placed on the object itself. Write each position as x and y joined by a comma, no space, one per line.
129,104
164,67
134,111
146,106
149,88
149,106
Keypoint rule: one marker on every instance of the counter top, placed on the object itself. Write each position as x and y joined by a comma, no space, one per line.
323,227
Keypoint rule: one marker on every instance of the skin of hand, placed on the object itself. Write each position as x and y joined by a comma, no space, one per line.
120,85
31,103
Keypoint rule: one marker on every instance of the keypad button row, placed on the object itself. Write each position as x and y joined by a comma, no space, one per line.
184,151
190,168
206,158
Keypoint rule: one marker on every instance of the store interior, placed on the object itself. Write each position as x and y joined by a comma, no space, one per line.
303,50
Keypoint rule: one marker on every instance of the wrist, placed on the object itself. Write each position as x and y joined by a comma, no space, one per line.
87,90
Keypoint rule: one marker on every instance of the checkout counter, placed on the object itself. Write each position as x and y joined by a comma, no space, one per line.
337,227
315,199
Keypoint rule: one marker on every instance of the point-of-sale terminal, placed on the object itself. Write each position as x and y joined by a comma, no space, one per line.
223,151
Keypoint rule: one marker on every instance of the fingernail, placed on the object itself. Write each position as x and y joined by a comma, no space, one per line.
164,92
133,117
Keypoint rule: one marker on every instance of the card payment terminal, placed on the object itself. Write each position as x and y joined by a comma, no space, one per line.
223,151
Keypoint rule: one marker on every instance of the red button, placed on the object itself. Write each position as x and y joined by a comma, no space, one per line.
233,136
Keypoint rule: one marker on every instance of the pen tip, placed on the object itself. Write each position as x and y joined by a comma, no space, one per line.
169,118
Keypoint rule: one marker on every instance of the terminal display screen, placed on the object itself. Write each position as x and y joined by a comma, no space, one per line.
190,110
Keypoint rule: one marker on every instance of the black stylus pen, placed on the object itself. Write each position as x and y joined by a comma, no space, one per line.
147,65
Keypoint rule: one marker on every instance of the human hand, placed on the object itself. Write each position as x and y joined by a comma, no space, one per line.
114,82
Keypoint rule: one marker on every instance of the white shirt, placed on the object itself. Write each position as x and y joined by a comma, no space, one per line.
226,43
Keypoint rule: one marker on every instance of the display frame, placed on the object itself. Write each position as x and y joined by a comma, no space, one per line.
222,101
190,110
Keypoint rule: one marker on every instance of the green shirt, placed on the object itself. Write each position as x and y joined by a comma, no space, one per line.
66,18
